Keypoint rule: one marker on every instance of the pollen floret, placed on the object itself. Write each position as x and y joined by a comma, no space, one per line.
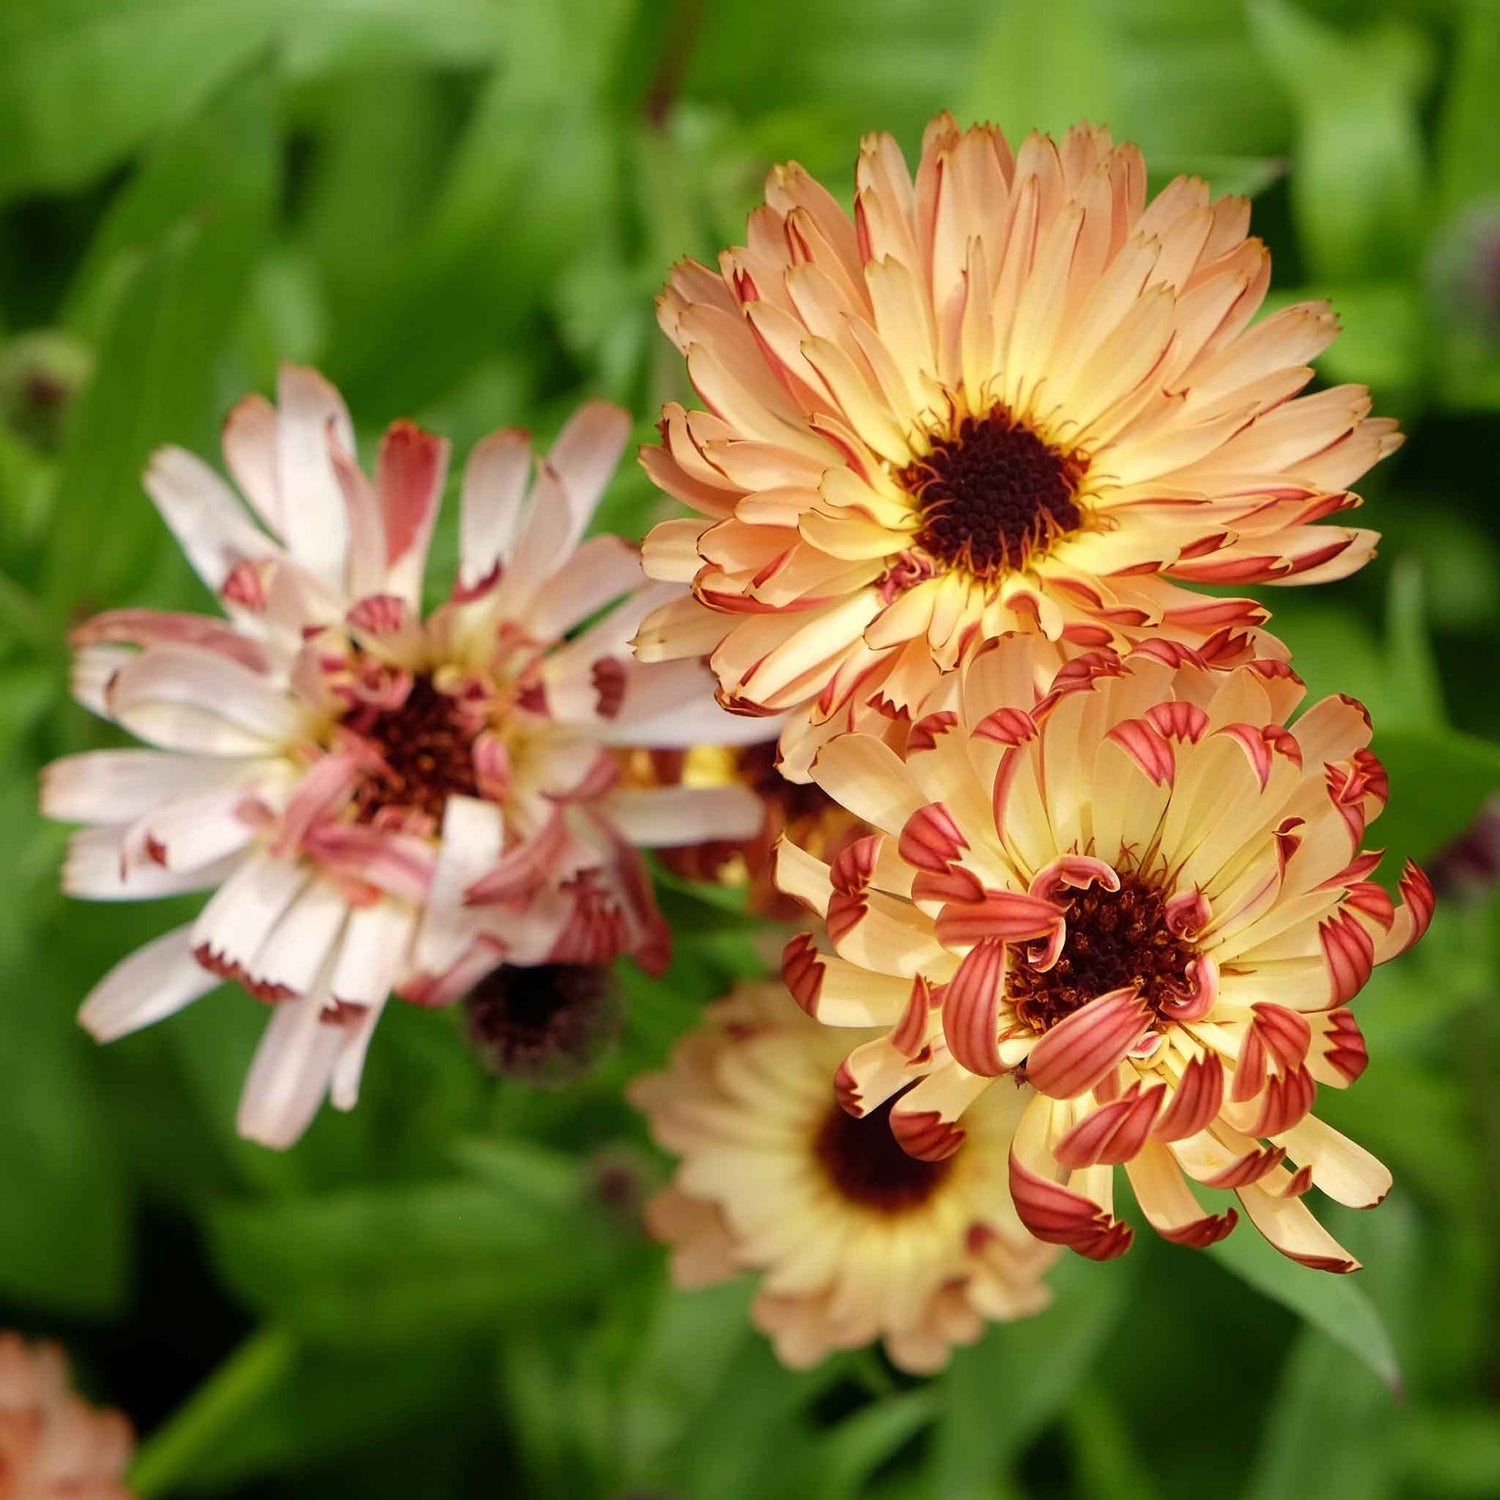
1138,898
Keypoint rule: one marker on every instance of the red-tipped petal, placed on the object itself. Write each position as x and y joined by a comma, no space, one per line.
1076,1053
971,1007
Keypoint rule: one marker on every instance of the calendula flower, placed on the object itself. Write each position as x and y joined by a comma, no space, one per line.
1006,395
797,808
53,1444
853,1239
379,801
1140,902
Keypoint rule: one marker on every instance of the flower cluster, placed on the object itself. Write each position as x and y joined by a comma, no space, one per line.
961,459
1047,815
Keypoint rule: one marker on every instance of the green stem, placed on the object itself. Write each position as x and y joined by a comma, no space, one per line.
235,1389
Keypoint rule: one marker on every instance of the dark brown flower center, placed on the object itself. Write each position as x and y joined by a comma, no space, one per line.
545,1022
1115,938
866,1164
428,749
992,495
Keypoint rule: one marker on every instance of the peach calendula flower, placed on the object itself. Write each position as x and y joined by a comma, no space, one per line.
1141,901
1009,394
853,1239
379,801
53,1444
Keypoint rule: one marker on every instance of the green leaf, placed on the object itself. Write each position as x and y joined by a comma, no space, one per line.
1246,176
849,1456
1470,123
1453,1453
85,82
66,1240
1044,67
218,168
690,1345
1440,779
1357,171
1037,1364
395,1264
1325,1435
1110,1465
159,351
1415,678
1336,1305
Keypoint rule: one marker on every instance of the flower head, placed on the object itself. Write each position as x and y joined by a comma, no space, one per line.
379,800
53,1445
854,1239
1008,395
543,1023
1140,898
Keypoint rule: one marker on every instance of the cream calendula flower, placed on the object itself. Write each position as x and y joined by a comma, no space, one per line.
1140,904
53,1444
854,1239
1007,394
379,801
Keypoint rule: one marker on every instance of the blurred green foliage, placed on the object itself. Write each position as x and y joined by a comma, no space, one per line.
461,209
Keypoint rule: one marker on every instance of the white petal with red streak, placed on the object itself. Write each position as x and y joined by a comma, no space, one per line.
494,485
182,699
97,869
204,515
154,982
471,846
242,912
585,456
312,415
118,786
301,943
290,1075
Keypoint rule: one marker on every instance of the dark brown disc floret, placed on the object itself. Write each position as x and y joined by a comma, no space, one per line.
1114,939
865,1163
992,495
427,746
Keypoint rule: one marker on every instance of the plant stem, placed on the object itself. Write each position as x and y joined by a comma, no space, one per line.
239,1385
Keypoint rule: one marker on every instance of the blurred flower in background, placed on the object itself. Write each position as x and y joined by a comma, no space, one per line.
542,1023
1007,394
53,1444
378,802
855,1239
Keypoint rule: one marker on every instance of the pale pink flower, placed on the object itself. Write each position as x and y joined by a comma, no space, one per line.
378,801
53,1444
1139,902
